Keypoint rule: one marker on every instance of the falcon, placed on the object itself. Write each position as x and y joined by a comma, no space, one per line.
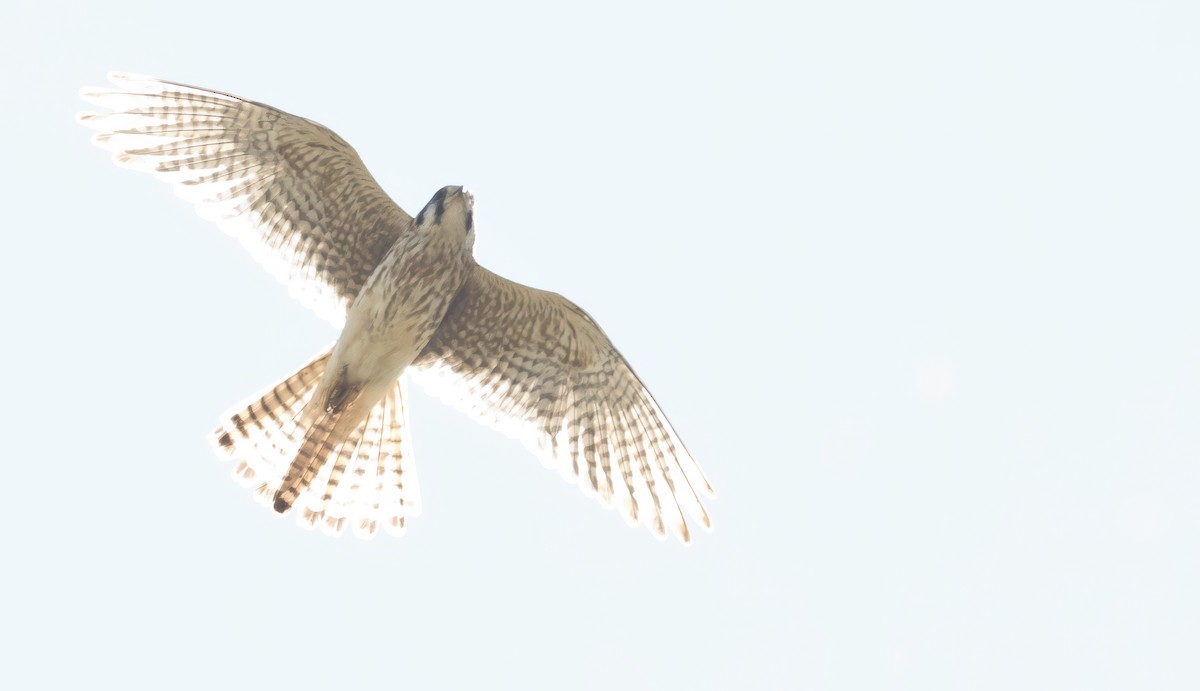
330,443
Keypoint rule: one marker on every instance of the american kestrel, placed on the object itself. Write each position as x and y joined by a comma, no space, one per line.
330,442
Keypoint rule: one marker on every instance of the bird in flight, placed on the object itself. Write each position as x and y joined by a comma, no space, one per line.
331,442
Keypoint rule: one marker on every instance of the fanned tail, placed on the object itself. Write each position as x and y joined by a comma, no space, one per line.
263,436
321,444
371,483
293,456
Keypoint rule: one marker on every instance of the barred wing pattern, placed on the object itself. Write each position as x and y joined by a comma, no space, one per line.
296,195
533,365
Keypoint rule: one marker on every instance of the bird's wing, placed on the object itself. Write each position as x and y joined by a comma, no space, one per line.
296,195
533,365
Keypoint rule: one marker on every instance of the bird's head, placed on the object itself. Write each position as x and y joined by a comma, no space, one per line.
452,209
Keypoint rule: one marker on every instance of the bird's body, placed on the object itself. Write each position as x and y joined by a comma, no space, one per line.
388,325
331,439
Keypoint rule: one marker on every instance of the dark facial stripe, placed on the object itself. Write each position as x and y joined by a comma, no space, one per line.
438,201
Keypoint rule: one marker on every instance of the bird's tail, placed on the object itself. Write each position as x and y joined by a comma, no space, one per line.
294,454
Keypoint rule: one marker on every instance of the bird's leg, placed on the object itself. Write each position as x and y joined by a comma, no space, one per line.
340,392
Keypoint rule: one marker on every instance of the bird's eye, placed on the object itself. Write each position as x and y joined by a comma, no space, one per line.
470,219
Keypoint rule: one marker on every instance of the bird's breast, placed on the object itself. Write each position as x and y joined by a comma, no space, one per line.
398,311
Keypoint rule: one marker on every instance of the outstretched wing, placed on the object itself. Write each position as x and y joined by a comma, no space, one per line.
296,195
533,365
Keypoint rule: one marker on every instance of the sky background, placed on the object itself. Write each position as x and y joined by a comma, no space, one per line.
917,283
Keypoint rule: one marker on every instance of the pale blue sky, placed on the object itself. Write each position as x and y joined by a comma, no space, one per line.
917,282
